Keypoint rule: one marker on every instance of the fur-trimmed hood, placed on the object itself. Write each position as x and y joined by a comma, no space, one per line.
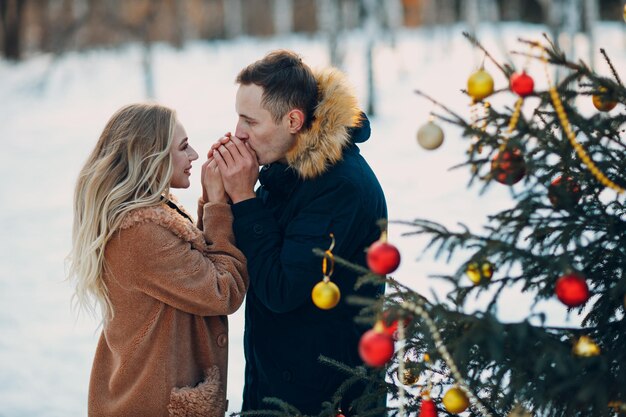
336,115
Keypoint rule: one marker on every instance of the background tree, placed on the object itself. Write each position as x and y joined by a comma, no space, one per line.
565,239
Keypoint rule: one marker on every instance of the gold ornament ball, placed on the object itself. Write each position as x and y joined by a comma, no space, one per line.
519,411
603,104
455,400
479,271
618,407
325,295
409,377
624,12
430,136
480,85
586,347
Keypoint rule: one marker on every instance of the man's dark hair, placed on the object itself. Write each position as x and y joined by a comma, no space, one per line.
287,83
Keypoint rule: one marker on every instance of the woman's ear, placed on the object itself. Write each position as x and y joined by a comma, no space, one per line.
295,118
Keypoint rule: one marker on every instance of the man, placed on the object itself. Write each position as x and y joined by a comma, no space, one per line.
303,128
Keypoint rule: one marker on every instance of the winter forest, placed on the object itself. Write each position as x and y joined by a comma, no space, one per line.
497,136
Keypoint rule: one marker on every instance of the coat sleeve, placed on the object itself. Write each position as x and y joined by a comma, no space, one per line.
283,268
150,258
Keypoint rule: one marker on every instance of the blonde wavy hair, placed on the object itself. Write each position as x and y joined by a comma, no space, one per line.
129,168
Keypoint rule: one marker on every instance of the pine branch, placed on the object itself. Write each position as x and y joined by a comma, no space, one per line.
460,121
476,43
608,61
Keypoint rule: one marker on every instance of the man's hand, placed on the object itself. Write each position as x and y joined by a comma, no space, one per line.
238,165
221,141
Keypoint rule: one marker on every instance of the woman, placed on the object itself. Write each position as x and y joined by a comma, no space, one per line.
164,286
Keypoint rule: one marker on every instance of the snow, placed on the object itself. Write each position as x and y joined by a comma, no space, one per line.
53,110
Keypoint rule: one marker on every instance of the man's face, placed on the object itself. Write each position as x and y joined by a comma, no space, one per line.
271,141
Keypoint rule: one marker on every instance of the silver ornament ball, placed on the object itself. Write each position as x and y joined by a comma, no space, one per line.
430,136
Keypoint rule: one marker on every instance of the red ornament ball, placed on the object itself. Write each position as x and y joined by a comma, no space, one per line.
564,192
522,84
572,290
391,326
382,257
375,347
508,166
428,408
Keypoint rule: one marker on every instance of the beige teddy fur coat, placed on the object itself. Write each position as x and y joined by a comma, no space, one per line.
171,284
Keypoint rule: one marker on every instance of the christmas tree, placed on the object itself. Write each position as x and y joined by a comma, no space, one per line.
562,239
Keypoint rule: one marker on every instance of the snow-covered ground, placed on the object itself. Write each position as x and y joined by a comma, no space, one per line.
52,111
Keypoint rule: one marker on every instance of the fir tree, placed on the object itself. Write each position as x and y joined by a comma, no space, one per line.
573,227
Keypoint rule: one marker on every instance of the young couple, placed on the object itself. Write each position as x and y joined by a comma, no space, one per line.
165,285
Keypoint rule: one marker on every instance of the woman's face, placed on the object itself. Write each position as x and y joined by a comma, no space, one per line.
182,156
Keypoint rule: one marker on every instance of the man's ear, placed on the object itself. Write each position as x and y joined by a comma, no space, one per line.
295,120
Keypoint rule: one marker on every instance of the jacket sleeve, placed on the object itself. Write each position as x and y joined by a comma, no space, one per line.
150,258
283,268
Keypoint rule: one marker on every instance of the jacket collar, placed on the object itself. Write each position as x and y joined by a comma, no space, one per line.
169,218
278,179
336,117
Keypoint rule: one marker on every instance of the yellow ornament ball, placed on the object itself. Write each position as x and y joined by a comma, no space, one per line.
480,85
430,136
624,12
479,271
325,294
455,400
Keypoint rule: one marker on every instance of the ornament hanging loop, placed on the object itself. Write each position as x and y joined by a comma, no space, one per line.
329,258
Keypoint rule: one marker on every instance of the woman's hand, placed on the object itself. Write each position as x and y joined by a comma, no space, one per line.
212,184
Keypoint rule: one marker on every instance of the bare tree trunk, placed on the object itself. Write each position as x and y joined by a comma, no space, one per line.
592,11
178,15
471,13
446,12
350,13
572,24
12,13
283,16
511,10
233,18
552,17
492,10
147,68
42,8
147,62
428,13
328,18
393,17
372,32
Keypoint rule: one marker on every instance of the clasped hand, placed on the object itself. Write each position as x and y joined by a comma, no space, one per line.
231,170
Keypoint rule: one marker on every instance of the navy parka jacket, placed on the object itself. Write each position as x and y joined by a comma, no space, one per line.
285,332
